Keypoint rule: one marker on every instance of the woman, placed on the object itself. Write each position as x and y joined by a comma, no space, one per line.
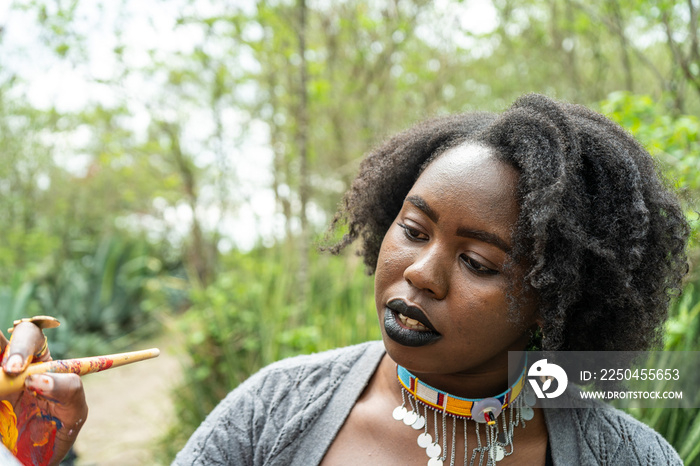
486,233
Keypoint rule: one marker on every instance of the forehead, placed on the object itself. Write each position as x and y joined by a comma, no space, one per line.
470,181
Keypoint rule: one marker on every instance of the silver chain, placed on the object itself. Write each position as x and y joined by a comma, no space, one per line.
465,442
493,438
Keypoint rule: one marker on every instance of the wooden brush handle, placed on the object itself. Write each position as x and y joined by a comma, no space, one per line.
81,366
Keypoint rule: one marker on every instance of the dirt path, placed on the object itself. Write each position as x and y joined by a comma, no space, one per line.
130,408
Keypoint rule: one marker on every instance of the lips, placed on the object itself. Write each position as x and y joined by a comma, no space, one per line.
410,312
408,325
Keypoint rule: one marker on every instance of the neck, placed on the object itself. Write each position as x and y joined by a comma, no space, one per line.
487,380
479,409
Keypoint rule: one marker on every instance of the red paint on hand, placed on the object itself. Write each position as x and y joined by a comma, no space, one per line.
37,433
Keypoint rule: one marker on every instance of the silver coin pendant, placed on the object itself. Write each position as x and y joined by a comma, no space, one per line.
498,452
419,424
399,413
424,440
410,418
529,398
433,450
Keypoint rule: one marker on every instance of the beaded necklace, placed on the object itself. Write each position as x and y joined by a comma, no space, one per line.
515,404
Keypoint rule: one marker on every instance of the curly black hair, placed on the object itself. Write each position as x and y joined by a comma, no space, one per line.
600,237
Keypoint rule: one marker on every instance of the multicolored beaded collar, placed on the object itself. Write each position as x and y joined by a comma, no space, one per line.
481,410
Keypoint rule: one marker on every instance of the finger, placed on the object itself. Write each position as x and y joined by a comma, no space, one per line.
27,339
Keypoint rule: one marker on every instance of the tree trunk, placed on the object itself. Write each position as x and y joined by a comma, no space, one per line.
199,253
302,143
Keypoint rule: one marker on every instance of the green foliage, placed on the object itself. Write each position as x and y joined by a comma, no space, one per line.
57,255
681,427
251,316
99,296
673,140
16,302
101,293
582,51
27,236
683,326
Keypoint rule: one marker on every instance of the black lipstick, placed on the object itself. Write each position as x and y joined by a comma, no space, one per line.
406,336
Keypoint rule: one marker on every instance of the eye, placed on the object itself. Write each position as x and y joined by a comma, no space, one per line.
476,266
412,234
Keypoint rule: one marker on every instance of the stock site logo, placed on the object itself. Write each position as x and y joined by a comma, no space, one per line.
542,372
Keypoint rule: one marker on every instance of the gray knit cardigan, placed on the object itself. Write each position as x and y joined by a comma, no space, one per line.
289,413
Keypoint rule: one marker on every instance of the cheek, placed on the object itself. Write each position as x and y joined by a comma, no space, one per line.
480,307
391,262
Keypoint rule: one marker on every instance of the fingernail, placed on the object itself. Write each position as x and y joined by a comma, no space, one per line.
15,363
39,383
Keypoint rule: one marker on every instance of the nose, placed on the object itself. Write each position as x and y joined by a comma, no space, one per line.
429,272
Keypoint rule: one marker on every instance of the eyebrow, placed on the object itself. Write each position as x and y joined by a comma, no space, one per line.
484,236
424,207
480,235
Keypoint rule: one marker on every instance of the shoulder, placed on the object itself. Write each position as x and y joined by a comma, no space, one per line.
596,433
315,368
264,414
296,390
293,383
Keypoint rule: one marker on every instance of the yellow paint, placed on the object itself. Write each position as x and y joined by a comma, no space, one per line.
45,438
8,426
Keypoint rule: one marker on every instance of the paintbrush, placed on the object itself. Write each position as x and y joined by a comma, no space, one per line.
13,383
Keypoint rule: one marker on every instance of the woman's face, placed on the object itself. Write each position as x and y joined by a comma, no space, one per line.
440,290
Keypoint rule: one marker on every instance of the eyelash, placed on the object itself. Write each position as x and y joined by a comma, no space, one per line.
475,266
411,233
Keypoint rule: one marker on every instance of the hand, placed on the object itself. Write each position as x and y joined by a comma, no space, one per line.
49,411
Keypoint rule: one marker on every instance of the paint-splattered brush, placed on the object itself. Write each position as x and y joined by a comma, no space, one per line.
81,366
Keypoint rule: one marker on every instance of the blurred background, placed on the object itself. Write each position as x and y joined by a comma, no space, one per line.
169,167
